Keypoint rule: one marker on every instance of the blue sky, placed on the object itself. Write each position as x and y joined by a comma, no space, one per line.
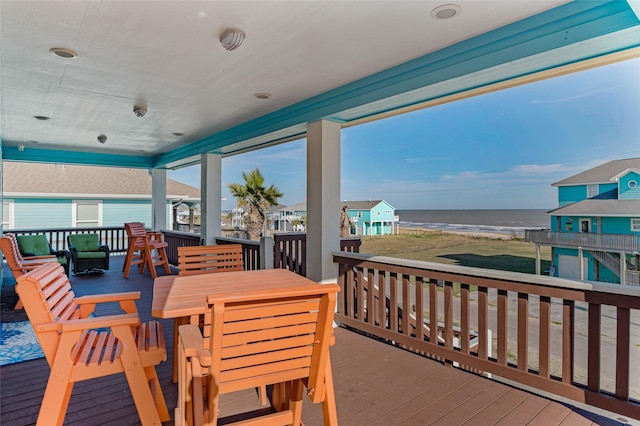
501,150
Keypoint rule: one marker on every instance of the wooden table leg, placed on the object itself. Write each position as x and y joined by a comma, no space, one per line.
177,323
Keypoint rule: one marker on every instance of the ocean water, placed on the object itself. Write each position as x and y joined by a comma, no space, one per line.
512,222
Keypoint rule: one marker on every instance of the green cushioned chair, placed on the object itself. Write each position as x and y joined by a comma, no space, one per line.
87,254
38,245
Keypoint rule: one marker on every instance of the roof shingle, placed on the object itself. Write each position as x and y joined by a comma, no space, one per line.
32,178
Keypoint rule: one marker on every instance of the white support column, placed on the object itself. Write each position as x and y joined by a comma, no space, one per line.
210,197
323,199
158,199
581,262
623,268
537,259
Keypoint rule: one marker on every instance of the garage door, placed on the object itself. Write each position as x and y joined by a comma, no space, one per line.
569,267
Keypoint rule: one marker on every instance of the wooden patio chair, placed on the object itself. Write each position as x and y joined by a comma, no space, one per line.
195,260
19,264
146,249
76,350
254,340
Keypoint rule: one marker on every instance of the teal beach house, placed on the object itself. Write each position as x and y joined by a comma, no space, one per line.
595,231
47,196
366,217
372,217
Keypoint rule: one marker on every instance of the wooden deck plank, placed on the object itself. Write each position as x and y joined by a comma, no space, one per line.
444,403
375,383
524,412
466,409
552,413
574,418
492,413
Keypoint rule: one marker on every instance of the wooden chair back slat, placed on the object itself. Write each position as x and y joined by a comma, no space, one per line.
193,260
18,264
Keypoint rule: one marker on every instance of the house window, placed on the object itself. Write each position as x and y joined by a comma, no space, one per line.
592,190
632,184
87,214
635,224
359,214
378,213
7,214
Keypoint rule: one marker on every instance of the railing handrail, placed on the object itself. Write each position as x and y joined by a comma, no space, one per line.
493,274
586,240
114,236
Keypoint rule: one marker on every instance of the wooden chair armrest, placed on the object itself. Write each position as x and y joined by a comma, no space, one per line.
88,323
100,322
193,344
48,256
126,301
108,297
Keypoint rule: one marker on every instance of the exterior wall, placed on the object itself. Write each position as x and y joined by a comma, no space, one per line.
117,212
617,225
575,193
604,187
571,194
604,274
629,192
33,213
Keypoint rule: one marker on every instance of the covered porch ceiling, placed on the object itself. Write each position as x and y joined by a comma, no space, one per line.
346,61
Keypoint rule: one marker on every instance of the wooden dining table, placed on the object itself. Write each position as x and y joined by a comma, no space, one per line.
183,298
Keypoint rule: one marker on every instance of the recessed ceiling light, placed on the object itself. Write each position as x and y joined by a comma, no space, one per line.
446,11
177,134
63,52
34,142
41,117
262,95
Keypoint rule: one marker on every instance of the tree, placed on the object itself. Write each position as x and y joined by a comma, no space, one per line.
255,199
345,224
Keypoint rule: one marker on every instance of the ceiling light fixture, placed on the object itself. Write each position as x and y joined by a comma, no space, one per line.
446,11
140,110
63,52
232,38
262,95
177,134
102,138
41,117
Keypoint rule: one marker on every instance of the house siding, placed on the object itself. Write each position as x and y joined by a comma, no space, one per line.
604,274
571,194
32,213
117,212
37,213
617,225
627,193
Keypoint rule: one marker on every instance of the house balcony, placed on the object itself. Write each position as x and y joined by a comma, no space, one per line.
588,241
387,371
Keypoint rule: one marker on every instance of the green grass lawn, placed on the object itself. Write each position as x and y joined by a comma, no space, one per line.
482,252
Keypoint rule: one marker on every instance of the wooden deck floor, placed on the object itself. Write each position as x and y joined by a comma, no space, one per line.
376,384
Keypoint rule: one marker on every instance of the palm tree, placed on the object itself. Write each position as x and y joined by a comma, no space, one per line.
255,199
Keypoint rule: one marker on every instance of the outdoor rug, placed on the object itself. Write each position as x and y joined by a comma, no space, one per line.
18,343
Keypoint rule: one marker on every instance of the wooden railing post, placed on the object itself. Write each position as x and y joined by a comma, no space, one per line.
266,253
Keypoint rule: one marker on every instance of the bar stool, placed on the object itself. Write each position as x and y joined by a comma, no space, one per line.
142,245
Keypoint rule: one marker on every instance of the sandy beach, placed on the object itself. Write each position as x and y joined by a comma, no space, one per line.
483,234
